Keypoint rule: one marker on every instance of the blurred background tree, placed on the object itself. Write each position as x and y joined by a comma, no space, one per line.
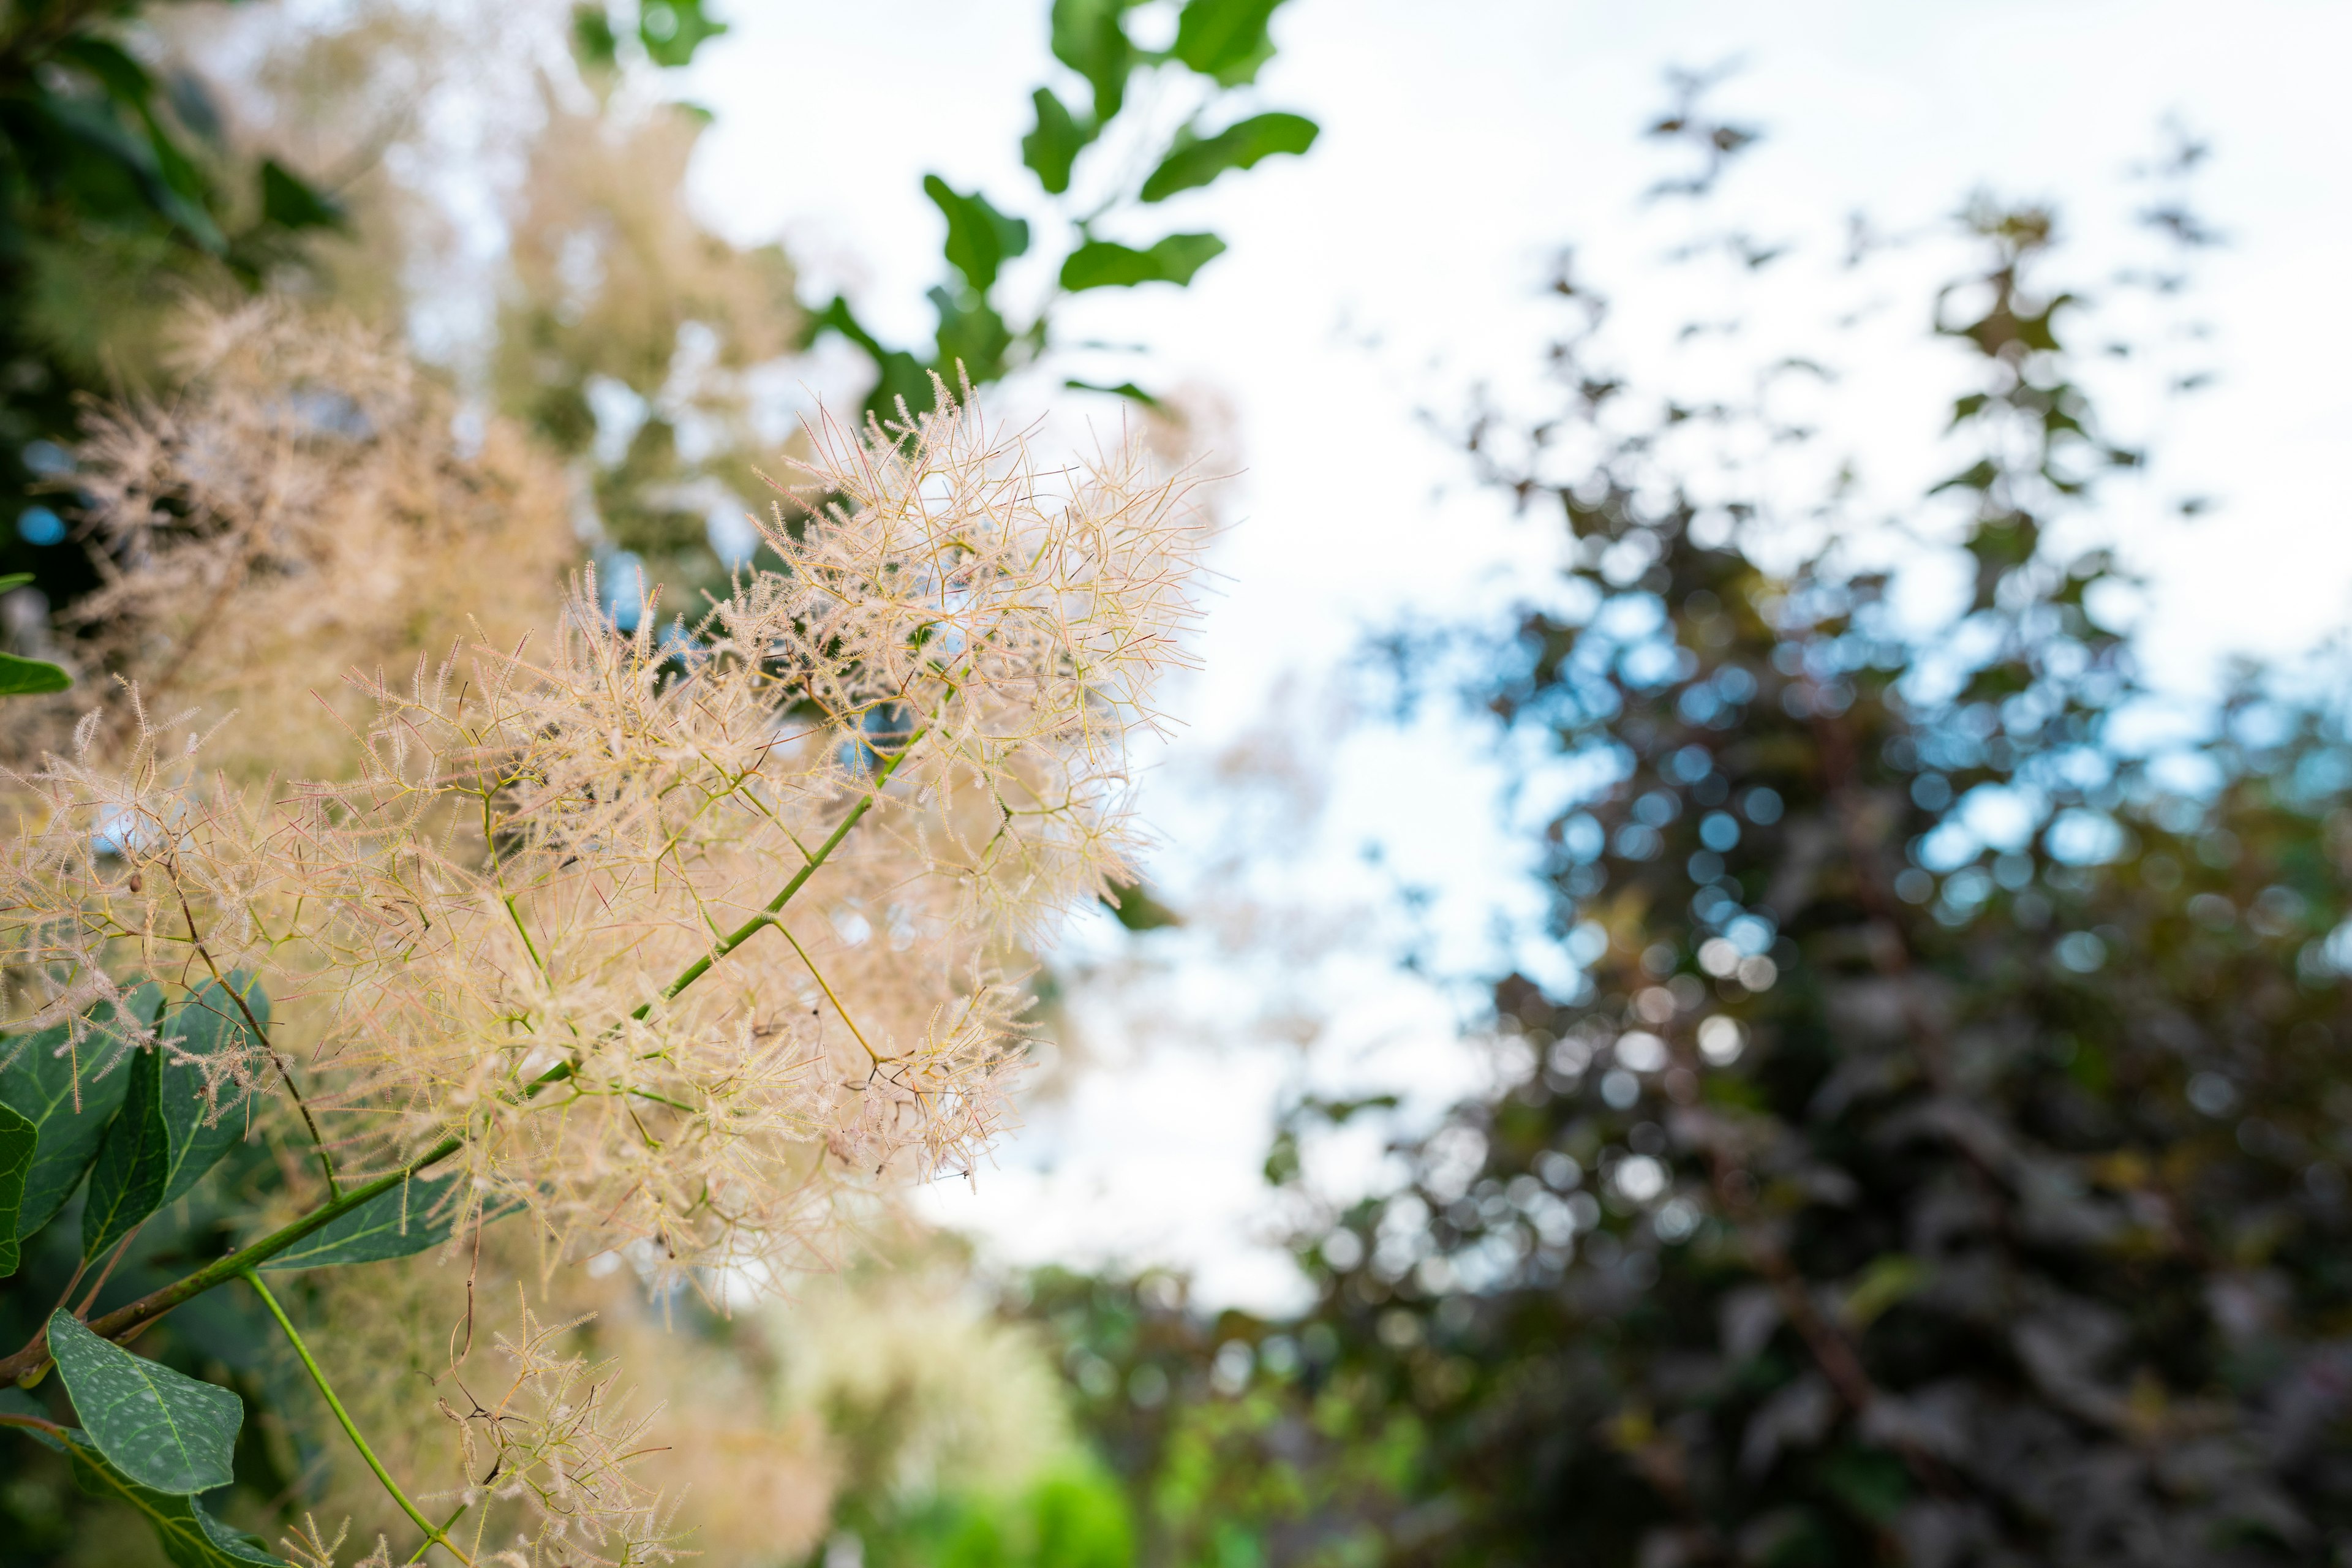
1933,1152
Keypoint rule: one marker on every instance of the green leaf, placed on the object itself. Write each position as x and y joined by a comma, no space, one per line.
162,1429
293,203
1126,389
17,1141
591,37
1056,144
898,375
1238,146
980,239
190,1537
126,1183
14,580
57,1089
1137,909
30,676
1089,37
972,337
125,79
395,1223
672,30
208,1024
1101,264
1226,39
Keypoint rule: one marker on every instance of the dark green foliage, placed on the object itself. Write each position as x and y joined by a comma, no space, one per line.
406,1220
127,1179
1090,37
1883,1189
18,1140
27,677
980,239
292,204
55,1083
1137,909
114,193
190,1536
593,38
208,1024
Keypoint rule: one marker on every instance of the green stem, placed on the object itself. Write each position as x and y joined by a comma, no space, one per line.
343,1418
425,1545
28,1362
775,906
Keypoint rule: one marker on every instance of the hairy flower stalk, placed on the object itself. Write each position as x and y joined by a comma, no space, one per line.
532,921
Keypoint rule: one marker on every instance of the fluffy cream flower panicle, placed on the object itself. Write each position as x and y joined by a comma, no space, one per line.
558,1440
129,871
538,921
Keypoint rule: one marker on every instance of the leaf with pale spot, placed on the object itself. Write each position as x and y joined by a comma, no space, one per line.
162,1430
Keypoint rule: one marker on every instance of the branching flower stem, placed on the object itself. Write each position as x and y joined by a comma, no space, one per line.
26,1364
342,1418
775,906
260,1036
425,1545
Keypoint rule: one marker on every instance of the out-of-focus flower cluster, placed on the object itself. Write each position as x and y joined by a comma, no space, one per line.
537,919
307,500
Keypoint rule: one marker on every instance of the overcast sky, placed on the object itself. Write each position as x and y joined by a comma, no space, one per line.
1399,262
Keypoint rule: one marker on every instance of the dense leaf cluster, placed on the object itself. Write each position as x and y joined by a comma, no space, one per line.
1218,49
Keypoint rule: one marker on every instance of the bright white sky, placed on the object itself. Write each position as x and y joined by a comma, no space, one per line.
1397,264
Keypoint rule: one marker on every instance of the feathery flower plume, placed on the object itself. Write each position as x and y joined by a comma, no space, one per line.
559,1441
537,920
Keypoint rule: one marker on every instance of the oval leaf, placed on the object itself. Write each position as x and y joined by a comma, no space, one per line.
394,1224
1054,145
17,1140
980,239
1103,264
190,1537
1237,146
1226,39
30,676
126,1181
163,1430
1090,37
55,1084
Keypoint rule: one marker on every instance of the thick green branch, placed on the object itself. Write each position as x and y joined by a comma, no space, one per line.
30,1360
